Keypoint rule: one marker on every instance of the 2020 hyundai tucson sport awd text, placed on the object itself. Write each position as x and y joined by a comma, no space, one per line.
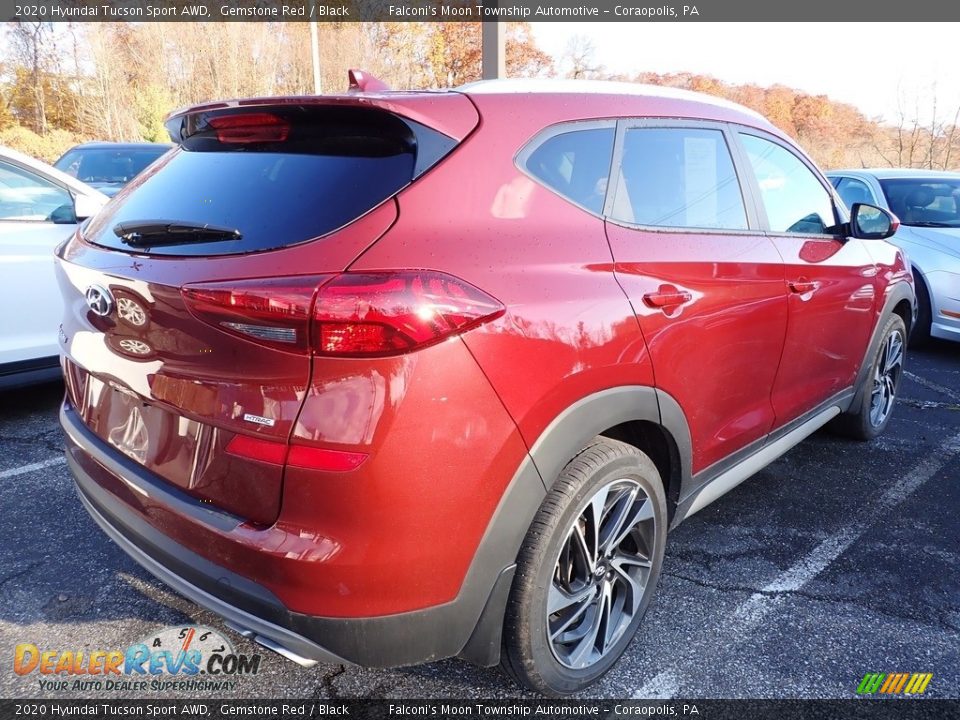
389,377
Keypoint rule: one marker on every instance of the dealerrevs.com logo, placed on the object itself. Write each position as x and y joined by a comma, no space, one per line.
187,658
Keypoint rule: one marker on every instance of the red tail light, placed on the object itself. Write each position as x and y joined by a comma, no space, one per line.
274,312
372,314
346,315
250,128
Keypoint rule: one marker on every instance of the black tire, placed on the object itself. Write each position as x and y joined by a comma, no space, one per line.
528,654
859,422
920,334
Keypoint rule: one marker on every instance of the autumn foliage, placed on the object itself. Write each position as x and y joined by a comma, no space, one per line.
834,133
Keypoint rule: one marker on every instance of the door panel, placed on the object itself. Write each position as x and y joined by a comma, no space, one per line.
830,280
830,320
30,286
29,291
716,354
708,292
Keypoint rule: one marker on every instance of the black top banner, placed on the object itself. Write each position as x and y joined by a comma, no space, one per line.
854,11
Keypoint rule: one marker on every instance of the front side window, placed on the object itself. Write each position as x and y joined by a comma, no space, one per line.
576,165
678,178
25,196
795,200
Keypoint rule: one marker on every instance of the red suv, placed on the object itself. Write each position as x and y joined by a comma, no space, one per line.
384,378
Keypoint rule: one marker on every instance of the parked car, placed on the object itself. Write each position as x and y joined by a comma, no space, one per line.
430,374
39,208
928,206
108,166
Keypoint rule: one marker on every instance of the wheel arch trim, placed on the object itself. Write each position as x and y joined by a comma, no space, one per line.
578,424
569,432
896,293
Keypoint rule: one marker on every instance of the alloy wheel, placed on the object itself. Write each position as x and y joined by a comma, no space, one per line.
601,574
886,378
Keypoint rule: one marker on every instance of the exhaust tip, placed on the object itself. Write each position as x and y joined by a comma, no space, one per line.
271,644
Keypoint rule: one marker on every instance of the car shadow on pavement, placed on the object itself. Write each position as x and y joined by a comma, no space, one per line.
937,348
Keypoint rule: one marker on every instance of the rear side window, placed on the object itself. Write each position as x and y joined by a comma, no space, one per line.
576,164
795,200
853,191
277,176
678,178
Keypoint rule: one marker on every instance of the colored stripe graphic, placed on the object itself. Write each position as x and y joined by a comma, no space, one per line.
918,683
870,683
894,683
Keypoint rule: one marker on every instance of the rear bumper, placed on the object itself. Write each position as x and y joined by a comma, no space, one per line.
254,623
945,301
222,591
106,480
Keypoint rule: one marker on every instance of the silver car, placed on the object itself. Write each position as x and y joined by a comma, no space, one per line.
928,205
40,207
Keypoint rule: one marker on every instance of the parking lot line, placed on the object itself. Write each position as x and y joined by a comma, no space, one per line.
936,387
24,469
757,606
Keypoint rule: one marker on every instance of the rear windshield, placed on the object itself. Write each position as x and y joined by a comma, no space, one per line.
305,173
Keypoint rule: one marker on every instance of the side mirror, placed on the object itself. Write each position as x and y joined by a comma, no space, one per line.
869,222
63,215
85,206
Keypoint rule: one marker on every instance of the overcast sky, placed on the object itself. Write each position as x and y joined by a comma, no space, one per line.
865,64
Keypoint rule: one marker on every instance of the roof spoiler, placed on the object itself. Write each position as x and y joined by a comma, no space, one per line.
362,81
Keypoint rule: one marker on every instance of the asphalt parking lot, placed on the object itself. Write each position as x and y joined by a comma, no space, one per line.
840,559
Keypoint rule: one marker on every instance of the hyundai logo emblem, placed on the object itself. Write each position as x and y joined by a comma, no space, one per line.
99,300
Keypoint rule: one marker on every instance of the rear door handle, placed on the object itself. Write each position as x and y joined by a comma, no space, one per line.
667,296
802,285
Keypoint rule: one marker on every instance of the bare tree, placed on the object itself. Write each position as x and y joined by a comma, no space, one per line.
920,139
579,58
950,139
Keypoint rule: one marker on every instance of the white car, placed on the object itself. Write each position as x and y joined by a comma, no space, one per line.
928,205
40,207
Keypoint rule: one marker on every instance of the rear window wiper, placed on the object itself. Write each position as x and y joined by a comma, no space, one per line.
150,233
